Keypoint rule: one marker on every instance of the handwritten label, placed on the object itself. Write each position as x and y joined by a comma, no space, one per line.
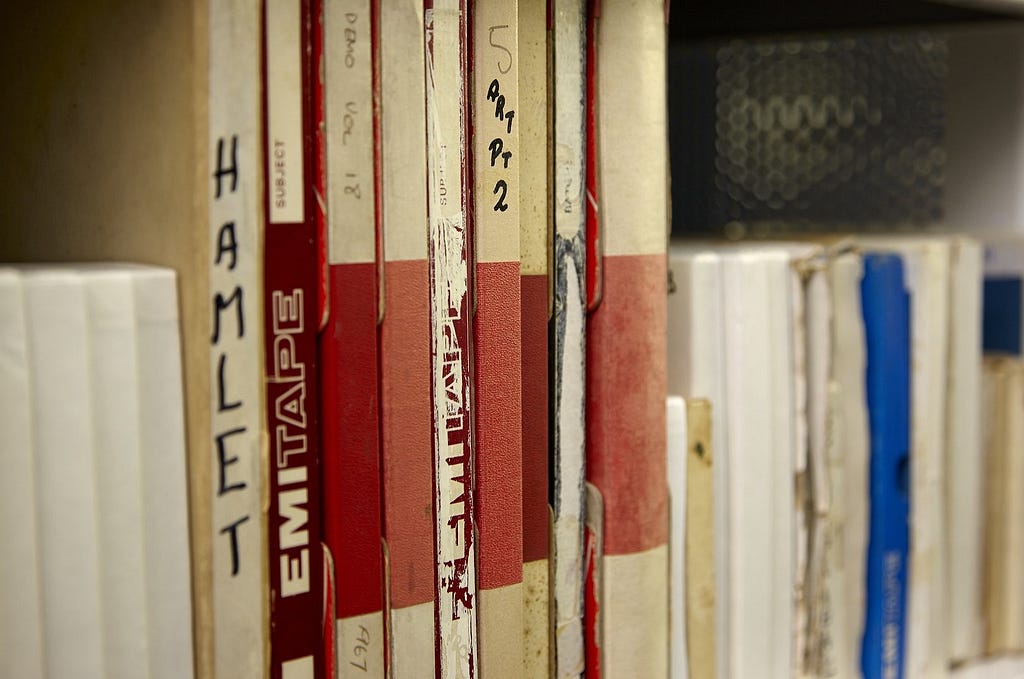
350,144
360,648
229,316
496,138
500,148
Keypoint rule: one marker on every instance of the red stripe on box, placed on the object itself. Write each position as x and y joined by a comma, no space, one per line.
351,454
330,638
534,321
499,462
626,388
408,463
320,164
592,605
592,204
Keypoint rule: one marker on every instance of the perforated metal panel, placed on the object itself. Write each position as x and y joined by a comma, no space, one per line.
808,133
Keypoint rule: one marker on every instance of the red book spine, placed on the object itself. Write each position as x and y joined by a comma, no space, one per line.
536,511
320,159
291,318
323,298
592,535
448,255
349,373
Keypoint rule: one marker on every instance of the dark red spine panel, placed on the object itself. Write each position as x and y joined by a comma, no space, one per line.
291,317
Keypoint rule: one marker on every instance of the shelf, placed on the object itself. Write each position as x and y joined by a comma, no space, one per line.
1010,667
705,19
